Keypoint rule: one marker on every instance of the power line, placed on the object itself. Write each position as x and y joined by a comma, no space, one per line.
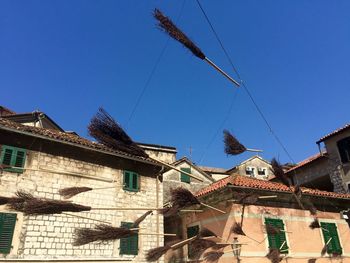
154,68
244,85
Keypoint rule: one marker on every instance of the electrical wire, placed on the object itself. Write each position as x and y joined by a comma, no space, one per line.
154,68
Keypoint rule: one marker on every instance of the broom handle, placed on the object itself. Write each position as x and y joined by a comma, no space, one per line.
191,210
158,234
329,240
183,241
68,214
282,245
253,150
211,63
214,208
267,196
177,169
140,209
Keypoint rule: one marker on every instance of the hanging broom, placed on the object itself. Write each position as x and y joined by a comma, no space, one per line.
198,246
274,255
69,192
156,253
233,146
138,221
315,224
173,31
108,132
312,260
182,197
325,247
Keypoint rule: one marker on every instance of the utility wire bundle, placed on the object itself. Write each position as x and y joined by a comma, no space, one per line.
173,31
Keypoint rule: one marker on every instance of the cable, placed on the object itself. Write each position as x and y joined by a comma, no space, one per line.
244,85
154,68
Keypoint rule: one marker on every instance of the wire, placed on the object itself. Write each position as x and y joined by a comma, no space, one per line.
244,85
154,68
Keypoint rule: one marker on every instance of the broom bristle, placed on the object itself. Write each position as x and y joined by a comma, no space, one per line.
183,197
237,229
173,31
100,234
198,246
4,200
213,256
169,211
246,198
17,203
312,260
271,230
69,192
205,232
315,224
232,145
156,253
324,250
140,219
279,173
108,132
274,255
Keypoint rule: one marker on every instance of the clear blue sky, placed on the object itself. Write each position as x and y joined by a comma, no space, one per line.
67,58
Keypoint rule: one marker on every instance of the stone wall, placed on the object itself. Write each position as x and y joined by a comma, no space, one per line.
50,236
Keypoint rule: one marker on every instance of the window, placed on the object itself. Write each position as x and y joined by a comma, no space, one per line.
7,226
330,237
279,240
249,171
184,177
129,245
191,232
261,171
131,181
13,156
344,149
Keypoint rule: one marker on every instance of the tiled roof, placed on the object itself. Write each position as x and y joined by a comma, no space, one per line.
306,161
66,137
334,133
252,183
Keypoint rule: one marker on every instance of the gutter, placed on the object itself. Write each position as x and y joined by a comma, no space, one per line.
78,145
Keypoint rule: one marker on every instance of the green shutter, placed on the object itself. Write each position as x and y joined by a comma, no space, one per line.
191,232
276,240
129,245
131,181
7,227
14,157
184,177
329,230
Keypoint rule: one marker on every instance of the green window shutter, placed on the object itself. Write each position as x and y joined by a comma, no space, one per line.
129,245
14,157
329,231
7,227
131,181
191,232
276,240
184,177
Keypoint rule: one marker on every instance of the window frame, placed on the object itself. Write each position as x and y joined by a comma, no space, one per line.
184,178
133,177
197,229
14,158
283,234
126,244
322,223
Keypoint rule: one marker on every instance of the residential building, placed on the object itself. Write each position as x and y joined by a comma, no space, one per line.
297,242
49,159
330,169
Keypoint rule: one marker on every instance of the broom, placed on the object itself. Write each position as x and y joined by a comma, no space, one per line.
182,197
166,25
324,249
156,253
69,192
203,234
315,224
138,221
312,260
274,255
198,246
109,133
214,256
233,146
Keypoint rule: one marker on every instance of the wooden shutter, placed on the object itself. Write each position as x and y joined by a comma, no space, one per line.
126,180
329,230
7,227
129,245
135,182
14,157
191,232
131,181
276,240
184,177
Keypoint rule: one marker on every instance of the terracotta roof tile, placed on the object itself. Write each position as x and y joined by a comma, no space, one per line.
248,182
334,133
306,161
66,137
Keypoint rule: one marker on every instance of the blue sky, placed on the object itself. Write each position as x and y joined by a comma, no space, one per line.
67,58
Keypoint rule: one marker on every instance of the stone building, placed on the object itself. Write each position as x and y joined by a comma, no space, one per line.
45,160
296,241
330,169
